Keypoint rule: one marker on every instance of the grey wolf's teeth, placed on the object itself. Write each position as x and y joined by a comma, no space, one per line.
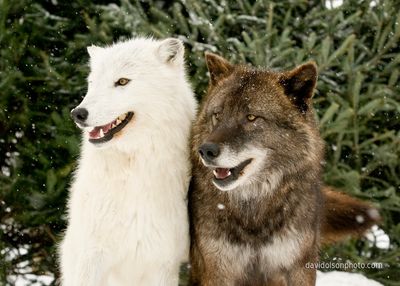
216,173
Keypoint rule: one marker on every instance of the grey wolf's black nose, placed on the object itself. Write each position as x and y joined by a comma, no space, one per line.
79,115
209,151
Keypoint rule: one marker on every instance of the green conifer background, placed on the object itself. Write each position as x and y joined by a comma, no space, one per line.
43,66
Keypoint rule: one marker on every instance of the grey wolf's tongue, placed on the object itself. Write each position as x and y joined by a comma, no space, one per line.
221,173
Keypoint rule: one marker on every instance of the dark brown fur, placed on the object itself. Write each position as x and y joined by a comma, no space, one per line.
228,245
344,216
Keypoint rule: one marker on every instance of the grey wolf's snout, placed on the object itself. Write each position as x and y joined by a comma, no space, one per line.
209,151
80,115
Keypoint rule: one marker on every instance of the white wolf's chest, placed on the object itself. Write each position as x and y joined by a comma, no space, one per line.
135,218
130,207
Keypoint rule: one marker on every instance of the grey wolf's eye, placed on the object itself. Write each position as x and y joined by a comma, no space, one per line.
251,117
122,81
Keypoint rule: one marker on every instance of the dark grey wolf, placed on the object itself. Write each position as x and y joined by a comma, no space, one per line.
257,210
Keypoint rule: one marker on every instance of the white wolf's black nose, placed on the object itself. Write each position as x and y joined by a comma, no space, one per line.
79,115
209,151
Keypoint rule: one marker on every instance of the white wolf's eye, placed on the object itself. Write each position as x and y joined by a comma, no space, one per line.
122,81
251,117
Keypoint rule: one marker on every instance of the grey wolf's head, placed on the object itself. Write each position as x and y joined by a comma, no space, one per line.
132,88
256,125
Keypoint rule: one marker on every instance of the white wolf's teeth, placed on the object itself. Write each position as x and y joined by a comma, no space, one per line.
118,122
101,133
122,117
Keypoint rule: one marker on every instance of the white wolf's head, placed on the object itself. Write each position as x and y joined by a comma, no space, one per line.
134,87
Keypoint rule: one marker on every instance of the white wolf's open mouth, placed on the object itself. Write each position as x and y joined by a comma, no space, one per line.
225,176
104,133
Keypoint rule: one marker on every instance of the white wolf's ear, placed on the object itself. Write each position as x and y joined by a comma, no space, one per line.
299,84
218,67
92,50
171,50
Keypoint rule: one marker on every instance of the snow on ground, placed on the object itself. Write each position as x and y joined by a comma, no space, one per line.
376,237
340,278
334,278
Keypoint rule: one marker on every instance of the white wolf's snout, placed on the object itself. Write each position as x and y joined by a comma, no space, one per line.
79,115
101,108
103,115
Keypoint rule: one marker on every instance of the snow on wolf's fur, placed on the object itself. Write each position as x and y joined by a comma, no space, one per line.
127,209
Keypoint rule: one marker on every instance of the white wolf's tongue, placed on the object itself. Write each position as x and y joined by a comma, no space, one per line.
222,173
95,133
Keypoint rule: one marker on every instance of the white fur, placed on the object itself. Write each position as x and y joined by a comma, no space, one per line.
282,252
128,220
285,249
252,189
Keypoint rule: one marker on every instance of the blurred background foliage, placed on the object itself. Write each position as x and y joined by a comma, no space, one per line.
43,68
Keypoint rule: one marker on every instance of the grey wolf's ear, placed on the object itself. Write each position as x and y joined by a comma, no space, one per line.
218,67
92,50
171,50
299,84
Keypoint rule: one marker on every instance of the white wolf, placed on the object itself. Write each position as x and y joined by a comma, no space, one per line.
128,220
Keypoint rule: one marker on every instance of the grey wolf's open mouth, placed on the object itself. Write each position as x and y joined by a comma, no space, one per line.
104,133
225,176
